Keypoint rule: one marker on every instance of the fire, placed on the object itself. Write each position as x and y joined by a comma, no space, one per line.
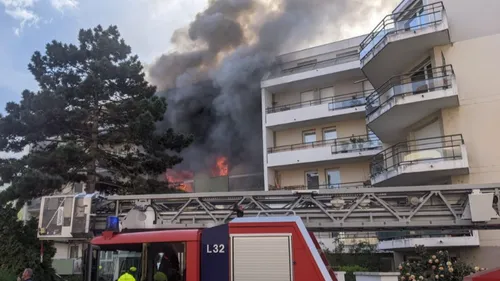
182,180
221,167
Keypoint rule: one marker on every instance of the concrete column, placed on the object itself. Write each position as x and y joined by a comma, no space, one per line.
340,275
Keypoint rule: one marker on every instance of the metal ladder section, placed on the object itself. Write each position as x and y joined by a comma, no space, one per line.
346,209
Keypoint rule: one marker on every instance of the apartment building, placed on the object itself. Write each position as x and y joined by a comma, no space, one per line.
414,102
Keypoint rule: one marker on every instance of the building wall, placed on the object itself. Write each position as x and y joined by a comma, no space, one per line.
338,46
63,250
476,72
344,129
474,57
352,172
341,87
460,12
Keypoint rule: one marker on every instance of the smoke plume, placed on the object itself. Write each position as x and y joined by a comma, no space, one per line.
212,77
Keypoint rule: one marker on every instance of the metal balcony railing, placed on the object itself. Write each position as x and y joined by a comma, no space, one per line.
415,151
408,20
388,236
339,145
419,82
334,103
278,71
321,186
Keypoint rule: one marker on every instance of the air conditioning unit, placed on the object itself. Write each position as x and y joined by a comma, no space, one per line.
65,217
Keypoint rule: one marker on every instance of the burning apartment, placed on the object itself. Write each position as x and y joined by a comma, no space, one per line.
211,81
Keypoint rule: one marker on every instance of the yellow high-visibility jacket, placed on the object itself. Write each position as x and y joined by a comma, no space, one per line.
126,277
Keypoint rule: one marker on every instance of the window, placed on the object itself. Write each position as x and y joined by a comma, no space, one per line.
73,251
413,18
170,259
309,136
329,134
333,178
312,180
326,93
307,97
422,77
121,261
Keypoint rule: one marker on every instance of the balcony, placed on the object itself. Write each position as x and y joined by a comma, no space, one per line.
330,109
314,71
405,99
407,240
402,38
356,148
419,162
322,186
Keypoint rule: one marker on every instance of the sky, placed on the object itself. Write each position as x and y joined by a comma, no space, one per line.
146,25
27,25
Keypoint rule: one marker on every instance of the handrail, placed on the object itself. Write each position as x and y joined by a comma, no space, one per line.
438,78
392,23
414,151
425,234
277,72
341,144
356,98
357,184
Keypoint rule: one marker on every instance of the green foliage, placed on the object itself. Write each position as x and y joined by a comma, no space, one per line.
349,271
7,275
92,119
435,266
20,248
363,248
362,254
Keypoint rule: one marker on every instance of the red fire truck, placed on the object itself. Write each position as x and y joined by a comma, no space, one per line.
245,249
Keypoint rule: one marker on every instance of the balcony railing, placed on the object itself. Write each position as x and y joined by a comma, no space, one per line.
415,151
419,82
278,71
334,103
408,20
387,236
321,186
339,145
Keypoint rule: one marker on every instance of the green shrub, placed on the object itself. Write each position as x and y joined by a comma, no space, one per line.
7,275
436,266
21,247
349,271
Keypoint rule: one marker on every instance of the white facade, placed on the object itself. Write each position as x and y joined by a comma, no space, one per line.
414,102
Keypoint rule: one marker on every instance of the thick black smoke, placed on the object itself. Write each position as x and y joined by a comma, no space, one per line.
212,80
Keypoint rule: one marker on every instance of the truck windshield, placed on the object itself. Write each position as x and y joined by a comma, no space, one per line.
113,264
142,262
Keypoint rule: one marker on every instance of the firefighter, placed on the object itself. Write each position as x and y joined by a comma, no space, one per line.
170,263
160,276
129,275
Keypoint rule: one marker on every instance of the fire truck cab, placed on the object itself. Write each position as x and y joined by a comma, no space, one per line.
245,249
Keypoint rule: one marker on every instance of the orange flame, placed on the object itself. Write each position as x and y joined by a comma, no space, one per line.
182,180
221,167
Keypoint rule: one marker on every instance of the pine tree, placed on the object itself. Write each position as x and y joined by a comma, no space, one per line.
92,120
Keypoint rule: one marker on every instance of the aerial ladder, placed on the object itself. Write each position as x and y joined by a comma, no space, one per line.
217,235
466,206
